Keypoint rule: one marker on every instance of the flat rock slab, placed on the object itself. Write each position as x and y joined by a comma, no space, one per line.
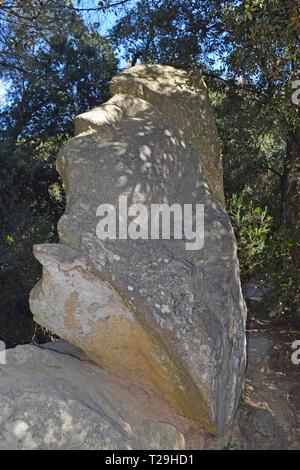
50,400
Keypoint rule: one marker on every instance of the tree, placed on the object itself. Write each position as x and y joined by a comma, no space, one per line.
266,52
71,76
28,24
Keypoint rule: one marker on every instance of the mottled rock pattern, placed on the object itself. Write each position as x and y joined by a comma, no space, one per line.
167,318
180,95
50,400
260,430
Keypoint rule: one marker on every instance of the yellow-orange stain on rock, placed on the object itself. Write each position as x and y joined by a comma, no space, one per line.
71,304
125,349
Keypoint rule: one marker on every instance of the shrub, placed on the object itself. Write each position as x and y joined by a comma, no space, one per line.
267,253
251,226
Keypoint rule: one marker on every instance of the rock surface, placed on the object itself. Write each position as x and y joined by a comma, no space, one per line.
168,318
51,400
181,96
53,397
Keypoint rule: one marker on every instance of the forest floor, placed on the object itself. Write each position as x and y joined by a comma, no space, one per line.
269,411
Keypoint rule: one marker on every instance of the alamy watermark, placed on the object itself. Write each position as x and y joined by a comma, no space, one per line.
2,352
296,94
160,221
296,355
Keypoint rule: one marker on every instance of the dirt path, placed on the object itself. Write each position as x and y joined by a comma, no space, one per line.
269,411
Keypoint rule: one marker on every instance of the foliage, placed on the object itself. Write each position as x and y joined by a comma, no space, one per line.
282,272
29,212
229,446
251,226
265,253
72,76
170,32
251,161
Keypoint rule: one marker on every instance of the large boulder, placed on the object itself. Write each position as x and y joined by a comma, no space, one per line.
166,313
